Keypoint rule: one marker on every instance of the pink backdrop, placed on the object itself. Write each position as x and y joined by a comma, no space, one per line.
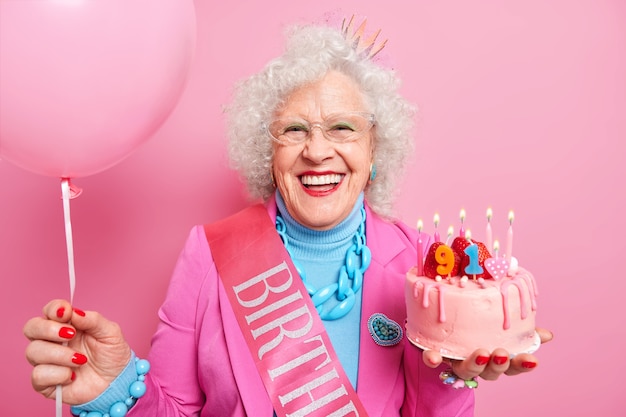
523,106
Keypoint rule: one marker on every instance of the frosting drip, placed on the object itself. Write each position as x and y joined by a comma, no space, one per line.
523,281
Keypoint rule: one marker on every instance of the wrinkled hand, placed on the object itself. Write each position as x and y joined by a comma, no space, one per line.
84,356
488,365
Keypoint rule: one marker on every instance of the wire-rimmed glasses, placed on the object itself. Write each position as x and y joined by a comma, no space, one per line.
337,127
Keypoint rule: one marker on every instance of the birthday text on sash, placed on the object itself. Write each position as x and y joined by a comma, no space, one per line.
291,349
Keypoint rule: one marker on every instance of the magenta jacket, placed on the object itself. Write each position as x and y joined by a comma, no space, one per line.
201,365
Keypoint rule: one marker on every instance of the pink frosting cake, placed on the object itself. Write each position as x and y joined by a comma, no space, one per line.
456,314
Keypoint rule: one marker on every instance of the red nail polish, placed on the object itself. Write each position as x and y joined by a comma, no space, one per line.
482,360
60,312
67,332
500,360
79,359
79,312
73,377
529,365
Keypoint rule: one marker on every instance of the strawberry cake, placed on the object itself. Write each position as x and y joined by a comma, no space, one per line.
463,299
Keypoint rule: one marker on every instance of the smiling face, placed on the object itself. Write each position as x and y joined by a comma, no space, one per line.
321,180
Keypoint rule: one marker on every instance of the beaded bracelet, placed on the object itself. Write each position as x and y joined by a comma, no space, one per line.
136,390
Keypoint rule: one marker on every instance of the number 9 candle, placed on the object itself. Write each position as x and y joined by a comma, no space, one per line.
445,258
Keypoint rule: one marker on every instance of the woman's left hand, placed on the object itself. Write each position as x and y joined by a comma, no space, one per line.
488,365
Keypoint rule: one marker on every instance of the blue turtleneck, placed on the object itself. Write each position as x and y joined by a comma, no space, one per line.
322,254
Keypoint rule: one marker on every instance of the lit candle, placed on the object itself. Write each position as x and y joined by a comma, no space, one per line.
496,248
420,249
489,237
462,229
450,233
468,235
509,237
436,234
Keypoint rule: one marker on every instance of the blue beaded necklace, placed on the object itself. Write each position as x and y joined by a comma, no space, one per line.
350,271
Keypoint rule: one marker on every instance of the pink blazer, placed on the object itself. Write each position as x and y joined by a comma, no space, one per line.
201,365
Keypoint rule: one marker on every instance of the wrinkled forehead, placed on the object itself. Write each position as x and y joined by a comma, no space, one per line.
335,92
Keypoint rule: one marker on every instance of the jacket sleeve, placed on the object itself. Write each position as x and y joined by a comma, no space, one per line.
173,388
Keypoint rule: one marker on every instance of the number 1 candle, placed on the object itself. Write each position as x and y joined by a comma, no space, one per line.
473,268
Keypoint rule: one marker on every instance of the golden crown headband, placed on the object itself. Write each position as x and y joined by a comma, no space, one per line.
367,48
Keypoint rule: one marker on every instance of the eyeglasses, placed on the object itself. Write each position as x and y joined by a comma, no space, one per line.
338,128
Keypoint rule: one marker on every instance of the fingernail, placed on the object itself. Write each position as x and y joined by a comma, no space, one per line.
73,377
79,359
60,312
500,360
529,365
79,312
482,360
67,332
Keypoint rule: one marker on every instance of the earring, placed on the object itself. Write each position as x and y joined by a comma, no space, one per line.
372,172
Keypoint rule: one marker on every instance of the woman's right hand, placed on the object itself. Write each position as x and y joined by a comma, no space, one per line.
84,356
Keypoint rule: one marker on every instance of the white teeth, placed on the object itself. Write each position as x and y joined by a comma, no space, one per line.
321,179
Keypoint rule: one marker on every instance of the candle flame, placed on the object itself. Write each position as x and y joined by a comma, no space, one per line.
489,214
462,215
511,217
496,246
420,225
436,219
450,231
468,235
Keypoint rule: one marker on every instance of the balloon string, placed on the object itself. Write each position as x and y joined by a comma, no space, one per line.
65,185
66,194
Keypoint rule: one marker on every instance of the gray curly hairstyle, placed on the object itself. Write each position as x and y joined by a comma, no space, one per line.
311,52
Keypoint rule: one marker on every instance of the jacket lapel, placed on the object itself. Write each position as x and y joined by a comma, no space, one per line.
383,292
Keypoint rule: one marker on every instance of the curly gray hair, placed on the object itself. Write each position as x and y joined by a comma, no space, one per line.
310,53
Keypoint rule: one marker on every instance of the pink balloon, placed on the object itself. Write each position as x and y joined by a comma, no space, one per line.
84,82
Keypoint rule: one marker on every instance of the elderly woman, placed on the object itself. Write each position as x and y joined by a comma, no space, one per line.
320,134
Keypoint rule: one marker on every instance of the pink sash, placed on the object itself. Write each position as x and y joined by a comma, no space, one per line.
284,333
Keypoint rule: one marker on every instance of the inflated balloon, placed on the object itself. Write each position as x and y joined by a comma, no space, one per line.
84,82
